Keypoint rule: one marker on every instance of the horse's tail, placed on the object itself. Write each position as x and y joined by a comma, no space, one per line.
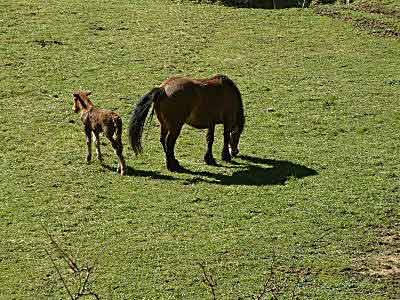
240,112
138,118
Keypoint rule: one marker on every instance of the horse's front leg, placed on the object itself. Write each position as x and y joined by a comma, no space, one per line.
88,133
226,156
208,157
97,143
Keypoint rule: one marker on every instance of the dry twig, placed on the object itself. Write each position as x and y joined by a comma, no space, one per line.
208,280
83,274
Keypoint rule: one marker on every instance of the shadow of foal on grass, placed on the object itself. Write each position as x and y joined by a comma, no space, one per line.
141,173
272,172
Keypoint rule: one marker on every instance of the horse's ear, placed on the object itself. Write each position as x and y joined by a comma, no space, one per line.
76,94
88,93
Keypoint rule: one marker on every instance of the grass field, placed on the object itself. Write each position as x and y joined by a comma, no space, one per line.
310,208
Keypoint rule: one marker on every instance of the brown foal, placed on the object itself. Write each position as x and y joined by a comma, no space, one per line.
96,120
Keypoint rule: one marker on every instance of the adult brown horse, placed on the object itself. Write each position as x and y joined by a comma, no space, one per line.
201,103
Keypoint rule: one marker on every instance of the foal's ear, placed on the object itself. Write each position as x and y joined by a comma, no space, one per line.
76,94
88,93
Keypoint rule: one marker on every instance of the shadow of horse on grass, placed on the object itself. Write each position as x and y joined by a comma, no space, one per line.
253,171
271,172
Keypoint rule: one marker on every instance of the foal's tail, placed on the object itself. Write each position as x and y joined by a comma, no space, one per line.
118,129
138,118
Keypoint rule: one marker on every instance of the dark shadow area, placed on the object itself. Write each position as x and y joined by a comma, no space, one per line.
254,171
272,172
140,173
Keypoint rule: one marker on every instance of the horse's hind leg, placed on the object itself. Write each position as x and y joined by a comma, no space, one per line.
172,163
97,143
163,137
208,157
88,133
226,156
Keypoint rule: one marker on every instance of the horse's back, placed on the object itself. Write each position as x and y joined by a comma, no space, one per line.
197,102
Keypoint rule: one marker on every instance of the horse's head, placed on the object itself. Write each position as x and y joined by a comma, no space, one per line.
81,101
236,132
234,141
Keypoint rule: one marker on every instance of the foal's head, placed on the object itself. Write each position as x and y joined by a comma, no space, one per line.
81,101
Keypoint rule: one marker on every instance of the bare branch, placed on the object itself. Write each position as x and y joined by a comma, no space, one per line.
68,259
208,280
59,274
82,288
84,274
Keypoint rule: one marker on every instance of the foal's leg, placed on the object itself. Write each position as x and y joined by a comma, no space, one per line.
172,163
208,157
97,143
88,133
117,145
226,156
121,158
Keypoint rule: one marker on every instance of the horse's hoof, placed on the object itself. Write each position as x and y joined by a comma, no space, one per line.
210,161
122,170
175,167
226,157
234,152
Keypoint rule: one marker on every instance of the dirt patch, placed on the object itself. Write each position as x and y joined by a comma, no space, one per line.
47,43
377,9
265,4
367,23
377,27
385,264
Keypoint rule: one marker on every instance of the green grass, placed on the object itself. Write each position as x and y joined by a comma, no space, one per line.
315,195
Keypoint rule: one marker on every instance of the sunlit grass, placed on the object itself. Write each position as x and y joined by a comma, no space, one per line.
313,194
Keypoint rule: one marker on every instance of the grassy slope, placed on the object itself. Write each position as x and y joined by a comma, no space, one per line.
318,94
